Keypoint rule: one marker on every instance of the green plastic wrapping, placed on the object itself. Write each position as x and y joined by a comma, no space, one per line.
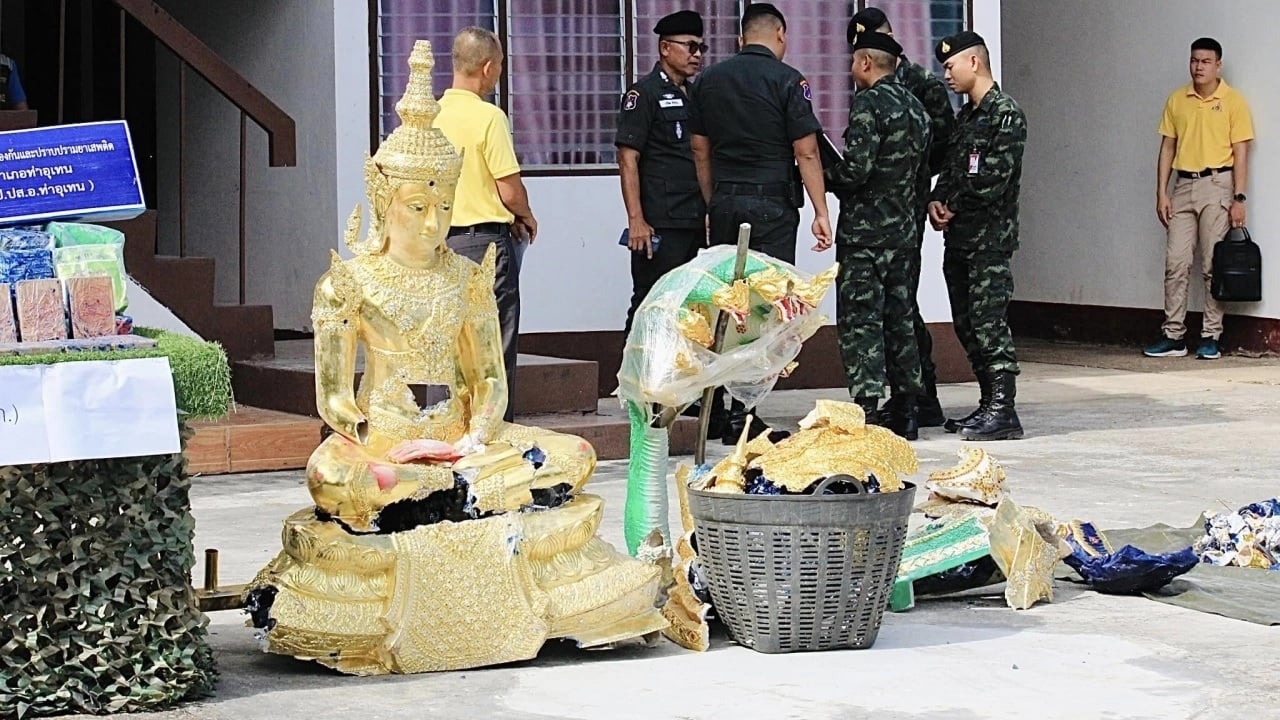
647,507
81,249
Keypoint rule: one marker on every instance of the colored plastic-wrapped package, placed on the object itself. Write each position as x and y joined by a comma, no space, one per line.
8,327
83,250
41,312
89,303
25,254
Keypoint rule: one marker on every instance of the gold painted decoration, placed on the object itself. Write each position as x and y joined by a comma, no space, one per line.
695,326
812,291
977,478
422,594
834,439
1026,548
684,610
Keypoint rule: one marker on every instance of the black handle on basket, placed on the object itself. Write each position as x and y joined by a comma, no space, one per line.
832,479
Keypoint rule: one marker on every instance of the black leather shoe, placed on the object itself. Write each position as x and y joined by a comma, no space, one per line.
999,421
929,411
899,416
870,408
737,422
984,401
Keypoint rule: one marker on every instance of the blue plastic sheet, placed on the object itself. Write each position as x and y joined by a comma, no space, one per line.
25,254
1127,571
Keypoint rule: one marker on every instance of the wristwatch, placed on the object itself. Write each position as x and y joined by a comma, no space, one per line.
1239,197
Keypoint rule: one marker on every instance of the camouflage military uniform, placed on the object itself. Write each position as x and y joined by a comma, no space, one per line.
932,93
980,184
877,185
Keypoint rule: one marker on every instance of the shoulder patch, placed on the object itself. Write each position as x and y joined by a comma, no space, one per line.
630,100
808,92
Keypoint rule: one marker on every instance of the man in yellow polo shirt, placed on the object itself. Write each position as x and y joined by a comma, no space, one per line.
1205,132
491,205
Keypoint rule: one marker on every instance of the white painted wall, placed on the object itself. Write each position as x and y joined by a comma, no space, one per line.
311,58
1093,93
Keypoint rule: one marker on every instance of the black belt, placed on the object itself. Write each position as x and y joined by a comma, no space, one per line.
479,229
1203,173
766,189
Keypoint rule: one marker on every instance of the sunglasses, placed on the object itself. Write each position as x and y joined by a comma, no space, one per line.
693,46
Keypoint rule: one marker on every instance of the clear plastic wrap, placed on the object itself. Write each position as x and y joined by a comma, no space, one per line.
668,362
84,250
667,359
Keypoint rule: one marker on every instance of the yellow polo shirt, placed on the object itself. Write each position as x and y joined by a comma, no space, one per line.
1206,128
479,131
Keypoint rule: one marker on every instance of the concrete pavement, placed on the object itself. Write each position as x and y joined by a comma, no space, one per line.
1112,437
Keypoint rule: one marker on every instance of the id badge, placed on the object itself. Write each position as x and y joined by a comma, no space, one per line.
975,159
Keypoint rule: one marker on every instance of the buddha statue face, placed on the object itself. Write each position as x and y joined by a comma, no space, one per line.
418,216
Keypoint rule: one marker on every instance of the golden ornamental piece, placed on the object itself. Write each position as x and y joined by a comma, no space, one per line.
977,478
442,537
686,612
1026,548
834,439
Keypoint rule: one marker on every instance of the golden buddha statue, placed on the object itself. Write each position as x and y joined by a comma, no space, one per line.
441,537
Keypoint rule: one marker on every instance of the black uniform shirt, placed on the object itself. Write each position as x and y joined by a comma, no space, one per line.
752,107
654,120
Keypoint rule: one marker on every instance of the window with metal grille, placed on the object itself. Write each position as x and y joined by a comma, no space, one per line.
918,25
567,69
816,46
399,24
568,61
720,20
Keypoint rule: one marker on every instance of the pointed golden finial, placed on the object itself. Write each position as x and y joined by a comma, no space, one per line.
729,477
415,152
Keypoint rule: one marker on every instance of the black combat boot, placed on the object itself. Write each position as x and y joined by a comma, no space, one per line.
984,400
999,421
928,409
900,416
870,408
737,422
718,418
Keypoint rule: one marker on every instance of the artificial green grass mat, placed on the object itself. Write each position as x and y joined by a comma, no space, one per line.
201,374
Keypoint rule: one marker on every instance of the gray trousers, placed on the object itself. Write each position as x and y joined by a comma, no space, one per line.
506,288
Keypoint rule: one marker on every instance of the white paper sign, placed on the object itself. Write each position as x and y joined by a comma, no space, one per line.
22,427
87,410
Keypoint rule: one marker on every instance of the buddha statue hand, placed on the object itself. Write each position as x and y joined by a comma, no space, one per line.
426,449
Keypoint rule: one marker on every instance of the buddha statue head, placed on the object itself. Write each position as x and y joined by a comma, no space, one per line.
411,179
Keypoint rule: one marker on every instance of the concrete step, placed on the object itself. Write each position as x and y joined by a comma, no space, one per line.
286,382
185,285
609,430
253,439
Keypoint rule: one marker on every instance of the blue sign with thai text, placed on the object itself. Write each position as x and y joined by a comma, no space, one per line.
69,172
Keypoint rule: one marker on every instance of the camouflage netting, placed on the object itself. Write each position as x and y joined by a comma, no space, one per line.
95,569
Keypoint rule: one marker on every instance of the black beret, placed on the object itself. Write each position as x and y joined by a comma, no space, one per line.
868,20
878,41
959,42
684,22
756,8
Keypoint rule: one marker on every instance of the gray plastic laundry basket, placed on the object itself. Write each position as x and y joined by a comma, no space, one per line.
791,573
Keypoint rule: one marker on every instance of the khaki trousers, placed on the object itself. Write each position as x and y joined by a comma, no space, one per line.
1201,217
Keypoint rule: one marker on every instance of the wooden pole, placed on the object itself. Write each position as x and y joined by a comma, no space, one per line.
722,326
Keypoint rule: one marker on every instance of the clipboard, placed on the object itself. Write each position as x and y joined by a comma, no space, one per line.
829,153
